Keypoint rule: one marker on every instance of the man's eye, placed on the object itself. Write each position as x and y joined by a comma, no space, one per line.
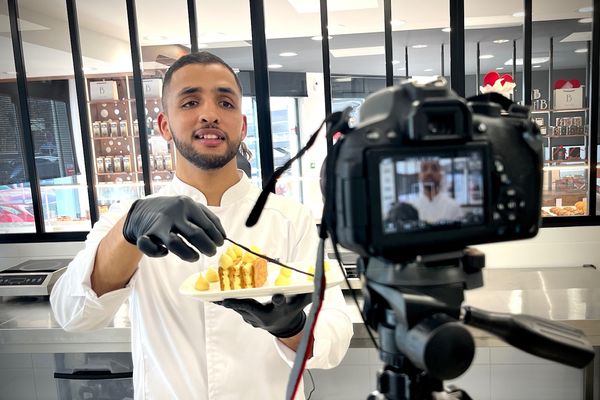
227,104
189,104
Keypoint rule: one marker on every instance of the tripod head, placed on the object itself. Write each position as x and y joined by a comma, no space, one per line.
417,310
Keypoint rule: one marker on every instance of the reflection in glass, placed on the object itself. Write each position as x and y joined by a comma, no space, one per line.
560,85
421,39
111,106
162,43
53,120
16,211
296,97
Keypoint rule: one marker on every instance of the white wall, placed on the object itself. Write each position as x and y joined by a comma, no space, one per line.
552,247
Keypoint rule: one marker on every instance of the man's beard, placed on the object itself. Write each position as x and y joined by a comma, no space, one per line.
208,161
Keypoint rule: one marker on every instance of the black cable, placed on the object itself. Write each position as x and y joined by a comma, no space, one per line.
272,260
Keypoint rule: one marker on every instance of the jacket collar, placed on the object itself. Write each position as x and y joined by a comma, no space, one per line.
232,195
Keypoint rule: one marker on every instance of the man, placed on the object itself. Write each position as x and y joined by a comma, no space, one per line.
183,348
434,204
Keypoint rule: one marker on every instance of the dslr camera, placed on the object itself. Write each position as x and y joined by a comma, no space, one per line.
426,171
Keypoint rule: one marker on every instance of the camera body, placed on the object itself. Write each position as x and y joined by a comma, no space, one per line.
427,172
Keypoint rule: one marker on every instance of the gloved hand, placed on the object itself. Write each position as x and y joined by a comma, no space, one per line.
403,212
282,317
155,224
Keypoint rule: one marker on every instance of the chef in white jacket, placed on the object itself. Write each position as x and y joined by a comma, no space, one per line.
183,348
434,204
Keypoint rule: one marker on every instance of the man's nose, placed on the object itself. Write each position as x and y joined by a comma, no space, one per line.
209,115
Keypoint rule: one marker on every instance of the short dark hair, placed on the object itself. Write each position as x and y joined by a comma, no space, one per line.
202,58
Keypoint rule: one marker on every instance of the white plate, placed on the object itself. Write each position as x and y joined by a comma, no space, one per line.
299,283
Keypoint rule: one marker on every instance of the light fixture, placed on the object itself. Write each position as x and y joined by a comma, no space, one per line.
500,41
536,66
275,66
586,9
534,60
155,38
486,56
394,62
358,51
583,50
288,54
419,46
499,68
586,20
519,14
428,70
446,29
317,38
236,70
343,79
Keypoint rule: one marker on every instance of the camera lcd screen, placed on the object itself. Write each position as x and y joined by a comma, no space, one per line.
429,192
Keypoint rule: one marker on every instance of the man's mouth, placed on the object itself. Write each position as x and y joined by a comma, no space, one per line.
209,134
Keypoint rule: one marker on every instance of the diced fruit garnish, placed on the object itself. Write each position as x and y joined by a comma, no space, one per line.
212,275
225,260
201,284
282,280
285,272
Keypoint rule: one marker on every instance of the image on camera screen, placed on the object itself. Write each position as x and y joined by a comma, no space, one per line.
431,192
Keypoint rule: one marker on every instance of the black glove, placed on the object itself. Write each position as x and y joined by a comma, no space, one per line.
282,317
155,224
403,212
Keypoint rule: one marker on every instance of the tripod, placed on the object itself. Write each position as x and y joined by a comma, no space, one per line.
417,310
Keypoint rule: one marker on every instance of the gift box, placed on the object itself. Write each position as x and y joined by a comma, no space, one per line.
105,90
568,98
568,94
152,88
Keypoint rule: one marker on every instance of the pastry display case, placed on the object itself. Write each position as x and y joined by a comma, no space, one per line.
115,141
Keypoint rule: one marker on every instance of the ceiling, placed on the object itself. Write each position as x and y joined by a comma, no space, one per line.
354,25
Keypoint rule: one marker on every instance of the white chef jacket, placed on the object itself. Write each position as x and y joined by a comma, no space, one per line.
183,348
441,208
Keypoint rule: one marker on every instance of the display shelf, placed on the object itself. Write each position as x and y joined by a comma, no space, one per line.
572,110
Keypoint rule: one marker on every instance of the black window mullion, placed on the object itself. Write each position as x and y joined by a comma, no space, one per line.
193,25
261,86
527,44
81,105
138,89
457,46
389,50
326,63
25,120
594,106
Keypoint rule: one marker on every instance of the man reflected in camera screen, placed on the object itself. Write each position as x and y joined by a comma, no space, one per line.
434,204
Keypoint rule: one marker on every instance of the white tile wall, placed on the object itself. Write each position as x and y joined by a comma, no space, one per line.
499,373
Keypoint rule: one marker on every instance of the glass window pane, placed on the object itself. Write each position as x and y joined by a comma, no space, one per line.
54,118
114,130
162,42
357,53
560,86
424,36
297,97
229,36
16,211
494,29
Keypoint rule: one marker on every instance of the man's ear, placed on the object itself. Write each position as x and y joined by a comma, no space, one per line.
244,126
163,125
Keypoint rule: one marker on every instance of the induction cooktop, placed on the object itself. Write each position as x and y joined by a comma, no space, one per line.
32,277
